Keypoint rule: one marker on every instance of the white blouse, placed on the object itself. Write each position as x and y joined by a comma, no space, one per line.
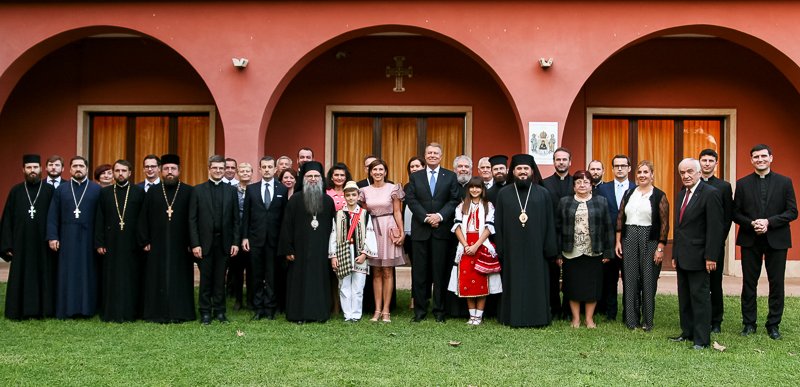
638,211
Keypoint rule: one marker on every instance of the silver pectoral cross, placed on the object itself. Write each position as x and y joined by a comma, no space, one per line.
121,225
32,211
77,213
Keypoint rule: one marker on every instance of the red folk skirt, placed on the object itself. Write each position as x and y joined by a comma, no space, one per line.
471,283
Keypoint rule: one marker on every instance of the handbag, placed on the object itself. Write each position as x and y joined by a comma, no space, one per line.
485,262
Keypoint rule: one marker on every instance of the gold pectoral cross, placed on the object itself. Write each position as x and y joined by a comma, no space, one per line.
169,212
121,225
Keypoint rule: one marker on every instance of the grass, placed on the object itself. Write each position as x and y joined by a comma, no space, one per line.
90,352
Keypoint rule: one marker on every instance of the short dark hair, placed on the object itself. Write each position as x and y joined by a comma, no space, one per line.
562,149
760,147
367,157
72,160
54,158
627,160
125,163
580,175
708,152
215,159
411,160
265,158
305,149
337,166
152,157
375,164
231,159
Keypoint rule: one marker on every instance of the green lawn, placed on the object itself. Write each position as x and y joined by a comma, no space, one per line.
90,352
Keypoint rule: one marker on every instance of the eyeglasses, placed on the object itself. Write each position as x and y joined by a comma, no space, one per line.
150,166
622,166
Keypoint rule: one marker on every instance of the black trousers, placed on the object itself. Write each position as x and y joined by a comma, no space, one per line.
431,264
717,308
694,303
558,308
608,304
212,279
240,274
264,263
775,261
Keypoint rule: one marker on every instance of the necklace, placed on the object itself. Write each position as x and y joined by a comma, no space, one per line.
32,210
523,217
169,205
77,202
314,222
121,215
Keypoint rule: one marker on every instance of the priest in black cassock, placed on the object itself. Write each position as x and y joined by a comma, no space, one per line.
31,288
118,248
306,228
525,237
70,232
499,174
164,233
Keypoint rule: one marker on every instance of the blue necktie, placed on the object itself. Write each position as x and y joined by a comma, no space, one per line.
433,182
267,196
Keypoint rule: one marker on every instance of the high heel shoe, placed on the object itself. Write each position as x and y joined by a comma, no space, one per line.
375,316
387,317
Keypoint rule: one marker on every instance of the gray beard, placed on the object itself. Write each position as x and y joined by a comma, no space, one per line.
312,196
463,179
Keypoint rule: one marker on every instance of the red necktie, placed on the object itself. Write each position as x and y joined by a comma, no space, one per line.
683,206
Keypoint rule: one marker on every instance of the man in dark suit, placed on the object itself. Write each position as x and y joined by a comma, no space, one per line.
151,165
764,205
708,164
213,236
695,252
432,196
560,185
261,220
613,192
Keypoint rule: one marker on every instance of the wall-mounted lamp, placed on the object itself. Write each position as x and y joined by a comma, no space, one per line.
545,63
240,63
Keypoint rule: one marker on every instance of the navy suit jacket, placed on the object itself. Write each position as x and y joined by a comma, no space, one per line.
443,201
607,191
696,236
262,226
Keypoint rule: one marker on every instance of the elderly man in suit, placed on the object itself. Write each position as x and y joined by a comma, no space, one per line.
613,192
432,195
695,252
213,236
764,204
261,224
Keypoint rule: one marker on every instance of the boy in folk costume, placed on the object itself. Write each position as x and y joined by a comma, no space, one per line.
476,273
352,241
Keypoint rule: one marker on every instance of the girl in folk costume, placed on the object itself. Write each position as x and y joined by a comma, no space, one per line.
476,273
352,241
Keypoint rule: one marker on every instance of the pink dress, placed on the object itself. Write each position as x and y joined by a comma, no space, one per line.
338,198
378,202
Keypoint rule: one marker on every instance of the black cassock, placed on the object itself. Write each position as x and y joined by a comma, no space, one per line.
522,251
31,288
120,293
308,295
168,294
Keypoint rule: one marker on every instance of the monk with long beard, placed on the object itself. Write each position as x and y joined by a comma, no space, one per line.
306,228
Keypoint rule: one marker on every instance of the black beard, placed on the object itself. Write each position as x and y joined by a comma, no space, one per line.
523,183
596,181
500,179
312,196
32,179
170,181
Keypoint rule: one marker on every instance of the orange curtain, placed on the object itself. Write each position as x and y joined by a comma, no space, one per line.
398,144
609,138
353,142
699,135
193,149
152,137
448,131
656,143
108,140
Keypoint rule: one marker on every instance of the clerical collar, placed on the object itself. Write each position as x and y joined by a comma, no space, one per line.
79,182
562,177
764,176
215,182
123,185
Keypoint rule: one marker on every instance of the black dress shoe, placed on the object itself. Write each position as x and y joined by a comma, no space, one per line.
440,319
237,306
748,330
679,339
205,319
258,316
774,333
221,318
698,347
715,328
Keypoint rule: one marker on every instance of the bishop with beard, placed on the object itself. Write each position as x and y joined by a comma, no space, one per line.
30,292
307,225
525,237
164,233
117,246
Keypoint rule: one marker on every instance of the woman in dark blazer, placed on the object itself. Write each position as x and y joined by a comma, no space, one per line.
642,231
586,237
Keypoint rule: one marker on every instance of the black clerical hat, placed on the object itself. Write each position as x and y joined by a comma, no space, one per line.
31,158
170,158
498,160
526,159
311,166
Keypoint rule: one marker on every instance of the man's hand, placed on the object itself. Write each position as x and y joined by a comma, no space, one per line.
101,250
711,266
334,263
246,244
54,245
234,250
290,257
197,252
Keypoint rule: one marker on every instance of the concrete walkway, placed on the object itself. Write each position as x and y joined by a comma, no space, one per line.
667,283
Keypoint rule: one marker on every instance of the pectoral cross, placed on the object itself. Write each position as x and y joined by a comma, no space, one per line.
399,72
32,211
169,212
77,213
121,225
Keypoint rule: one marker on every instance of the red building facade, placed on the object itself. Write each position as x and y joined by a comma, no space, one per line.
109,80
